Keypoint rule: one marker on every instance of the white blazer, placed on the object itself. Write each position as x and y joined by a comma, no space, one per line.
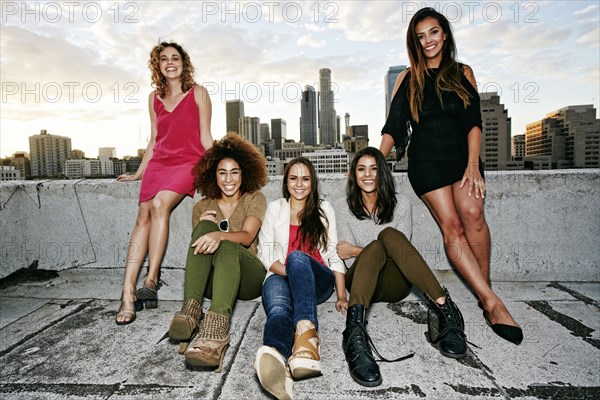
274,236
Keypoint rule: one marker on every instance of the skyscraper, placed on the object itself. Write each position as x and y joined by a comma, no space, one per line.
278,132
265,133
308,116
495,147
390,79
338,129
234,110
347,123
48,154
250,129
327,115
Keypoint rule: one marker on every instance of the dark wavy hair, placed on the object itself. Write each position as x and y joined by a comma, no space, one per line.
312,230
251,162
158,80
386,189
449,75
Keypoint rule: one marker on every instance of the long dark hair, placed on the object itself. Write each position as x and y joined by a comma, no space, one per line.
386,189
449,75
312,230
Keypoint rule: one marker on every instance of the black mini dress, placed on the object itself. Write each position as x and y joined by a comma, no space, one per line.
438,149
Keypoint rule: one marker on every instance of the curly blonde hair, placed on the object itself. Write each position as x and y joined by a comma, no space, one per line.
251,162
158,80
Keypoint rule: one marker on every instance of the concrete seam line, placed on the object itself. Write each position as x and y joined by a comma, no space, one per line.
80,308
87,231
219,387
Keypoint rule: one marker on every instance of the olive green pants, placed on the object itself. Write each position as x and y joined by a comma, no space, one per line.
387,269
232,272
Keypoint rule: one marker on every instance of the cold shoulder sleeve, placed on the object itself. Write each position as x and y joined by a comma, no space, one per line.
398,120
472,114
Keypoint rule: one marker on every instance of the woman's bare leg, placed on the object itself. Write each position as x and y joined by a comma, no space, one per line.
160,212
136,252
441,204
471,212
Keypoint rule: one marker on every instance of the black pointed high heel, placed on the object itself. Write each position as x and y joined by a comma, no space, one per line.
513,334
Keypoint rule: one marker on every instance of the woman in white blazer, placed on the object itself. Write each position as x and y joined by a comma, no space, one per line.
297,246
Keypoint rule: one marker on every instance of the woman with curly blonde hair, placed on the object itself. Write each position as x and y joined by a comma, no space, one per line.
222,263
180,113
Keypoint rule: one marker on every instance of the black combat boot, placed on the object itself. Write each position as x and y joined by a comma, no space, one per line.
363,368
446,327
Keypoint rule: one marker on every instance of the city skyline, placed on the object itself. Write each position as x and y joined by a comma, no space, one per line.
84,76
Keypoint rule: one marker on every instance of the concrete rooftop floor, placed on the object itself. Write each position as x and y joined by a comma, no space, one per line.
59,341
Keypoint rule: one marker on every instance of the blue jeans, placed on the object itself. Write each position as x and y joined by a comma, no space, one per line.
292,298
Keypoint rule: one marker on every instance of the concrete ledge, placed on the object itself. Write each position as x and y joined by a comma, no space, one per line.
545,225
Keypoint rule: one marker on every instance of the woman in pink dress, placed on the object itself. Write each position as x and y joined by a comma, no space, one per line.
180,113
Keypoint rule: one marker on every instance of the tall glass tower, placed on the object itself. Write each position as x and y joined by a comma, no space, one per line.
327,115
308,116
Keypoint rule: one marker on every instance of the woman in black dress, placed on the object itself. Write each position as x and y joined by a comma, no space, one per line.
438,99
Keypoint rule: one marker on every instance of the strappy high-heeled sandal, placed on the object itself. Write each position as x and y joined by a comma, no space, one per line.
305,360
149,293
128,309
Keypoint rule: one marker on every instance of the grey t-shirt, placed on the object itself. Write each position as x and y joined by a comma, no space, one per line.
362,232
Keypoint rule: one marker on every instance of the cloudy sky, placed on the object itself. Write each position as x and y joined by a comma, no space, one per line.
79,69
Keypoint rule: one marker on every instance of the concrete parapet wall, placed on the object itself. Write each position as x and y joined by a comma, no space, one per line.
545,225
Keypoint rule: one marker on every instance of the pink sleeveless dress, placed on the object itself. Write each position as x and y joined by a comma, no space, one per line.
176,151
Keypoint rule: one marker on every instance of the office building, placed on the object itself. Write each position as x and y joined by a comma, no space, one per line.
389,81
358,130
518,147
265,133
347,123
327,115
9,173
79,169
356,139
48,154
566,138
290,149
275,166
329,161
234,110
278,132
20,160
354,144
495,144
308,116
250,129
77,154
107,152
119,167
338,129
105,156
